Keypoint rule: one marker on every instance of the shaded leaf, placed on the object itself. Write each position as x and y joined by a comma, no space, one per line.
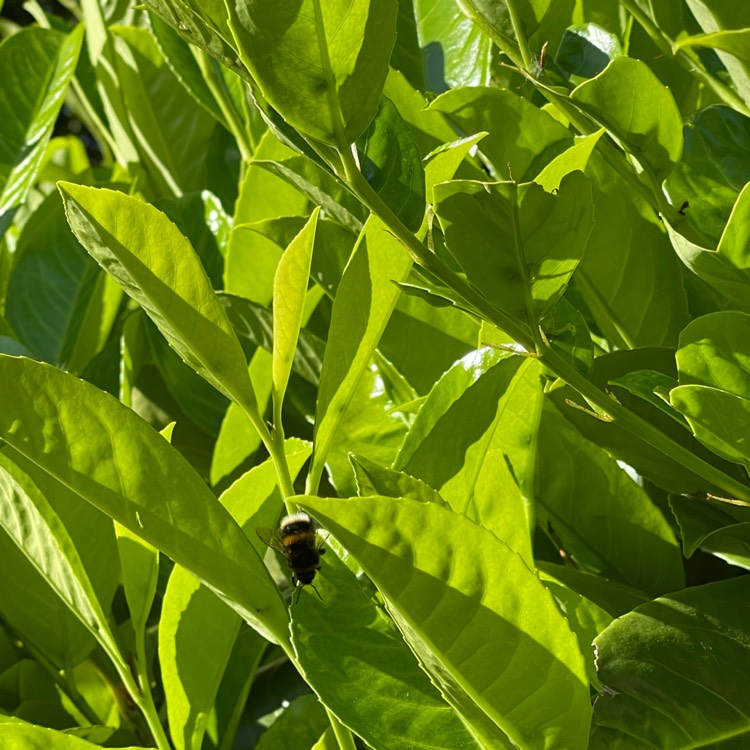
390,162
673,671
476,616
321,65
713,169
36,66
521,138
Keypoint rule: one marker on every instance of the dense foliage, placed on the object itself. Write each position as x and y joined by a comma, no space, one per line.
468,283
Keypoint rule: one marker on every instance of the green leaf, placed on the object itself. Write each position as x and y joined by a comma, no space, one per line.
721,16
299,725
31,522
183,63
390,162
521,137
456,52
22,736
630,278
567,332
517,244
615,598
36,66
715,351
196,634
321,65
713,169
723,528
174,152
449,592
373,425
630,101
653,387
50,266
374,479
585,51
321,188
289,290
197,631
734,41
254,327
120,233
673,671
429,129
598,513
449,446
574,158
202,24
358,663
720,420
111,457
364,302
140,571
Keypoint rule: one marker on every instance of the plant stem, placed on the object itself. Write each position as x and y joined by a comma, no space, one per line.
629,421
640,428
217,86
428,260
518,30
343,735
687,59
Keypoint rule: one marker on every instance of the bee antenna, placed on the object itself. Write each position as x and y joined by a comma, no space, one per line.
316,591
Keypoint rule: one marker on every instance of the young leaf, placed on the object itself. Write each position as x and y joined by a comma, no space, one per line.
36,66
289,290
322,65
122,234
364,302
112,458
196,634
474,613
390,162
673,671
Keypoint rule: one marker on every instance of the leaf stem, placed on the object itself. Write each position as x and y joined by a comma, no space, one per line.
686,58
343,735
428,260
215,82
519,31
629,421
640,428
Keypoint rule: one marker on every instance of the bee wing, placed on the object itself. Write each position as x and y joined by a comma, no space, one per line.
271,537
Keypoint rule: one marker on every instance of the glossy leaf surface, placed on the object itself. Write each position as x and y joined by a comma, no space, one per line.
321,65
468,589
112,458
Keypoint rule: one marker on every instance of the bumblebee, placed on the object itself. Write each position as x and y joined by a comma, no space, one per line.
297,540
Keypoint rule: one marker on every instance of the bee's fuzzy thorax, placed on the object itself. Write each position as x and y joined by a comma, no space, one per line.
300,517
